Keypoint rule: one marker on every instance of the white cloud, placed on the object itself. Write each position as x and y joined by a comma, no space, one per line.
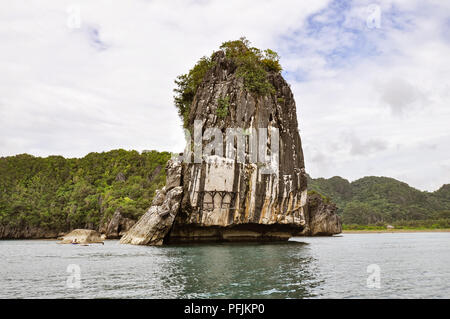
360,92
109,83
400,95
392,91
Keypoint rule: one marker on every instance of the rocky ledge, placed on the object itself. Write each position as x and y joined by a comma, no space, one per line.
82,236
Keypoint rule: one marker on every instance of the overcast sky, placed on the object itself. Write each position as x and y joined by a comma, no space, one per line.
371,78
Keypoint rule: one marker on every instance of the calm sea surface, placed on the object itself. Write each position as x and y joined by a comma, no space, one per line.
408,265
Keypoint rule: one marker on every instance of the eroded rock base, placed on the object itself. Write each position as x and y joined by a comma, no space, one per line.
235,233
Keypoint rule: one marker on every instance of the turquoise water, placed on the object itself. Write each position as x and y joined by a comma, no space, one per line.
411,265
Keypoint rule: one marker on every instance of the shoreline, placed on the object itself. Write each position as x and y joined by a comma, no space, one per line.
385,231
356,231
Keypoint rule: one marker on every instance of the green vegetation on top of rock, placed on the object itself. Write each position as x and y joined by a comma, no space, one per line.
252,65
187,85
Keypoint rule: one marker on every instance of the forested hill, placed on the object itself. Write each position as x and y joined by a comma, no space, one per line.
58,194
381,200
55,194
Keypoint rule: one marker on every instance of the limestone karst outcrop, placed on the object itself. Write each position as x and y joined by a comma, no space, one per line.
249,181
154,226
82,236
323,220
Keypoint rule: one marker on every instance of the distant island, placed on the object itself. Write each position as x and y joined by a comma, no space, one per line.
374,203
44,197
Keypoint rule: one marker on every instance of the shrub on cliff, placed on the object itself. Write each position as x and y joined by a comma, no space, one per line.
252,64
187,85
223,105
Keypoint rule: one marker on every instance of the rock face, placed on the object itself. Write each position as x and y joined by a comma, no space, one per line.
27,232
82,236
156,223
221,198
323,218
227,200
117,226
